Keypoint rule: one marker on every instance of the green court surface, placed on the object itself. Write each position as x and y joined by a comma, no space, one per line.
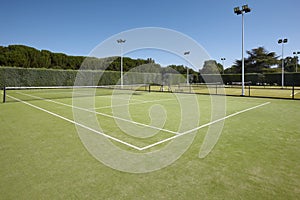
257,155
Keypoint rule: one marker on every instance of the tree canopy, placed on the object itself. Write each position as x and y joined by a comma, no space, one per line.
211,67
28,57
259,60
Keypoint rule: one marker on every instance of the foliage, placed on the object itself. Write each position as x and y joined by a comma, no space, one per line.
15,76
255,78
258,60
211,67
28,57
289,64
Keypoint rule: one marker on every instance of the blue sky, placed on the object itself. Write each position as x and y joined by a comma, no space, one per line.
77,27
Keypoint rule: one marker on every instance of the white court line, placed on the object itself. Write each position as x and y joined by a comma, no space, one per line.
158,100
76,123
294,93
202,126
103,114
109,96
151,145
100,96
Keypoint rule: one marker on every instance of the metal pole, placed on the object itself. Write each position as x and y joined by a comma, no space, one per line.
296,62
243,62
120,41
249,85
187,69
121,65
187,76
282,68
293,91
4,94
223,64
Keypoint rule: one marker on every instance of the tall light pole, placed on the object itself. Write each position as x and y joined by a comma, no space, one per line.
282,41
223,61
187,69
120,41
245,9
296,58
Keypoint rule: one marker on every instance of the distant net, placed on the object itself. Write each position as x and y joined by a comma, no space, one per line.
64,92
195,88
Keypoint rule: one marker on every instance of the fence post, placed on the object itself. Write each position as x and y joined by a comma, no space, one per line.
4,94
249,86
293,91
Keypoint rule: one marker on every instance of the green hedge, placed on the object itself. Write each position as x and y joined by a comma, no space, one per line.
13,76
268,78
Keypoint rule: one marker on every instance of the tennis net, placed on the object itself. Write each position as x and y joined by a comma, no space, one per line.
62,92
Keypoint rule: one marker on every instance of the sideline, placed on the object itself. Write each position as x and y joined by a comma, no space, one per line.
131,145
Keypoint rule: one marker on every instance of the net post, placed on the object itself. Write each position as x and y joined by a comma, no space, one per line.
4,94
249,88
149,88
293,91
216,88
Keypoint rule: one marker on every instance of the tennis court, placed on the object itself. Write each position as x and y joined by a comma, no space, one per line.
42,155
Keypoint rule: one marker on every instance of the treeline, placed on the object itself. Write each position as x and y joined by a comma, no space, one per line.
28,57
259,60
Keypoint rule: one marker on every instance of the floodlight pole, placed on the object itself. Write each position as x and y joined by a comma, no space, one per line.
296,53
296,64
187,69
282,41
282,67
187,76
223,61
245,9
120,41
243,60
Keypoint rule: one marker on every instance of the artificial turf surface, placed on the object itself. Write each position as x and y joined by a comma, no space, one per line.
256,157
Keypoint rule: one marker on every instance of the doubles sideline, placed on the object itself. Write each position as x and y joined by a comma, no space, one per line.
129,144
103,114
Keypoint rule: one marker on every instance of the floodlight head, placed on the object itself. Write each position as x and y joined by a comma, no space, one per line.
246,9
121,41
237,10
285,40
279,41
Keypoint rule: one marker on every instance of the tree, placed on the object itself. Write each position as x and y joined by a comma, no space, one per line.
220,68
259,60
211,67
289,64
175,68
